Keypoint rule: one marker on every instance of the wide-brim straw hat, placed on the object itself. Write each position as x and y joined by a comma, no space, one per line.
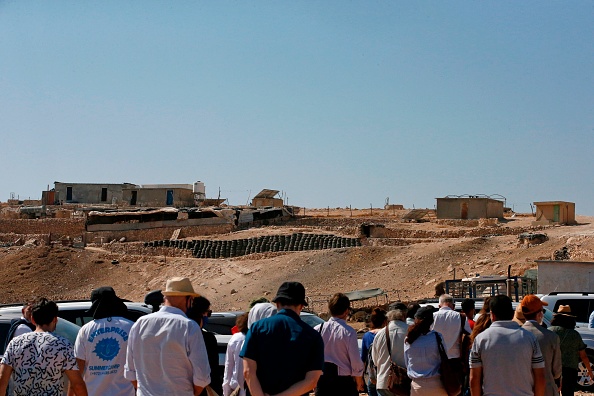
179,286
564,310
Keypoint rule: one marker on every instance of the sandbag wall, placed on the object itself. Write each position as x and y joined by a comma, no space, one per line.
262,244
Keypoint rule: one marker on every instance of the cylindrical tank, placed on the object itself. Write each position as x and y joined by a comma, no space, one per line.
199,188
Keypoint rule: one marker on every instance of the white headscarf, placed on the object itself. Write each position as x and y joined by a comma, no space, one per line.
260,311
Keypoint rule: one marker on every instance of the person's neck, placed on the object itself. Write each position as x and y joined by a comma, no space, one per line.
44,329
291,308
180,306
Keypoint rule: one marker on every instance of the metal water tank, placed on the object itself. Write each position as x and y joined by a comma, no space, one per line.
199,188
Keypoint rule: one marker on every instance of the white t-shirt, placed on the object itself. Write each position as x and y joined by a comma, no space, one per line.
102,344
38,360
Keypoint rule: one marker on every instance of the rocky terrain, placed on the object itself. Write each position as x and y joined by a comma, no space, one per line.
407,267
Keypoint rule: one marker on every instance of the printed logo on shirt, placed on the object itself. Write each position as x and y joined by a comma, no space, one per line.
107,349
105,330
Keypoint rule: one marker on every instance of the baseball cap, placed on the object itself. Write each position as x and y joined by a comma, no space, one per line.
532,304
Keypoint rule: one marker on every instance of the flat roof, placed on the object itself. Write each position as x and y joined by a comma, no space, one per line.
553,203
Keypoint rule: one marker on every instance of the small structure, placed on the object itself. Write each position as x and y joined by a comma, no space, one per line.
554,212
89,193
469,207
553,276
159,195
267,198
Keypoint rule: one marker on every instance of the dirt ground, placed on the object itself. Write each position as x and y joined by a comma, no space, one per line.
407,272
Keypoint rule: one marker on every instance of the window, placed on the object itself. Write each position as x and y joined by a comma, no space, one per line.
104,194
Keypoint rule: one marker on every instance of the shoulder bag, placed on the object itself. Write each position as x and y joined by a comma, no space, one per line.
449,375
398,380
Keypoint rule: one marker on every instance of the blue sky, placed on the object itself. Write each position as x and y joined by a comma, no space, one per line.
336,103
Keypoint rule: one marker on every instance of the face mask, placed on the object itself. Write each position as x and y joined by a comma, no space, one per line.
204,320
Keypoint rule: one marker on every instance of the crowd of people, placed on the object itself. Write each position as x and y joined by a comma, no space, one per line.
408,350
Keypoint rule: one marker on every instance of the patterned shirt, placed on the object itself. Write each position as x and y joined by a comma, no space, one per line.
38,360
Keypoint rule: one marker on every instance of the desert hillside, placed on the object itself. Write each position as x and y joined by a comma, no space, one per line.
407,267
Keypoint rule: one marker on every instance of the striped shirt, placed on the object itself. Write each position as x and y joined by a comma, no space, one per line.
507,354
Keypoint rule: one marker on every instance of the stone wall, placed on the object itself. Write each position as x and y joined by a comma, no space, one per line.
62,227
157,233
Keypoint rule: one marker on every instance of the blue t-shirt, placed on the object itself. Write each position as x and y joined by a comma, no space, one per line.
285,348
366,342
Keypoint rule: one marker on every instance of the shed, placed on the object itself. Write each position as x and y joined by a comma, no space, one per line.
554,212
267,198
470,207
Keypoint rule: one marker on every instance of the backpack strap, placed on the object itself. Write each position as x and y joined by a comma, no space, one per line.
462,323
14,324
388,342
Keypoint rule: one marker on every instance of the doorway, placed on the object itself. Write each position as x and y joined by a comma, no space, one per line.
464,211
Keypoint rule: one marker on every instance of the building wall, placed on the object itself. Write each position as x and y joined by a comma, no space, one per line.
158,197
64,227
552,276
475,208
545,213
274,202
88,193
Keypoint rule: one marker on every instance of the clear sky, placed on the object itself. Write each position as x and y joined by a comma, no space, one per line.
336,103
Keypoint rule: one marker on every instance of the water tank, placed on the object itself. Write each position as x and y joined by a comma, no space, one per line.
199,188
199,191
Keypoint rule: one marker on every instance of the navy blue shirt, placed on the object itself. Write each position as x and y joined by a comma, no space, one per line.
284,348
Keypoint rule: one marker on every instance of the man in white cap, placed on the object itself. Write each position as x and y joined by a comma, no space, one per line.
166,352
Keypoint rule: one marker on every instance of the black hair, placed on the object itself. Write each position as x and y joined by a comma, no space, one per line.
501,307
200,306
468,305
412,310
44,311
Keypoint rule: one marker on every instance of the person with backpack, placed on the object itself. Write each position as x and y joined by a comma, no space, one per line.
377,321
20,326
388,348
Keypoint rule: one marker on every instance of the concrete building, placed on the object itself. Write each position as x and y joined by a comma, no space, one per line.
159,195
554,212
469,208
89,193
156,195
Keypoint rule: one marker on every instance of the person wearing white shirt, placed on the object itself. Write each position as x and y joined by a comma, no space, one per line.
100,347
233,375
396,330
450,324
166,353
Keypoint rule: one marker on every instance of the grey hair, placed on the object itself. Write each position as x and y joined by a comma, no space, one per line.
446,298
397,314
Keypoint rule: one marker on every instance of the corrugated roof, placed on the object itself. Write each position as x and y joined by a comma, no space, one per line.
267,193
